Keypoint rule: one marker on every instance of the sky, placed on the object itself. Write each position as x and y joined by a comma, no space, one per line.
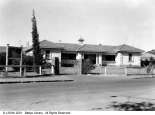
107,22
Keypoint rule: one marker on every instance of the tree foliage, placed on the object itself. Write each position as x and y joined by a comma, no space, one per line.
87,66
37,60
151,66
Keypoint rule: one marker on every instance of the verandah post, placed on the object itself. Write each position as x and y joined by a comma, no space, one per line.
79,58
52,69
7,51
24,71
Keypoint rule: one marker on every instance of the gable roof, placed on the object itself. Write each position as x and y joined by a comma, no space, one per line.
152,52
69,46
49,44
147,56
91,48
127,48
87,47
45,44
96,48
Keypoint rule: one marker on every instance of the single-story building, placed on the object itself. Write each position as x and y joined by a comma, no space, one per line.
147,56
68,53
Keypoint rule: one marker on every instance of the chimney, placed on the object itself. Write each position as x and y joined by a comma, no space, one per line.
81,40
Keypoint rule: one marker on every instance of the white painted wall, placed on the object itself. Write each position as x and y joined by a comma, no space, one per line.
79,56
137,60
56,54
100,59
123,59
97,59
52,56
126,59
118,59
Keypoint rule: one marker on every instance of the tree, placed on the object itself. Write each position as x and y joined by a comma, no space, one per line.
37,60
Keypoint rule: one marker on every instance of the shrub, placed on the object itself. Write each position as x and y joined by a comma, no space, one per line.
151,66
87,65
46,65
104,63
27,60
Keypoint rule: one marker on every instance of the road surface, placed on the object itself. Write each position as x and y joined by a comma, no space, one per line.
84,93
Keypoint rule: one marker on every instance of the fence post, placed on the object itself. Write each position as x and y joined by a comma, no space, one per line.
126,71
24,71
20,70
52,69
7,51
6,63
40,70
21,63
105,70
100,69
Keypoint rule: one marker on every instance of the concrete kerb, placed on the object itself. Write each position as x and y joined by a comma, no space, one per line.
66,78
122,76
35,79
55,78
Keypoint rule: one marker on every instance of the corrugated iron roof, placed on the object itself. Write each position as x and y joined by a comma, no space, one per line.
127,48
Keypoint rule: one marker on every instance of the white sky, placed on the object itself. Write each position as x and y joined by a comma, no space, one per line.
109,22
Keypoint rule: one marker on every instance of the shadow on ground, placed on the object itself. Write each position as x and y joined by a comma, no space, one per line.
127,106
133,106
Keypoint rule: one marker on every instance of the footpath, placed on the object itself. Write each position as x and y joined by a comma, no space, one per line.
52,78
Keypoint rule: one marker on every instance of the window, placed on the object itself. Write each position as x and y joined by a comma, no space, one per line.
130,57
69,56
108,57
47,54
68,59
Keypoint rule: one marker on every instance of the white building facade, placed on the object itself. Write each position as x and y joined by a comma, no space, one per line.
123,55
